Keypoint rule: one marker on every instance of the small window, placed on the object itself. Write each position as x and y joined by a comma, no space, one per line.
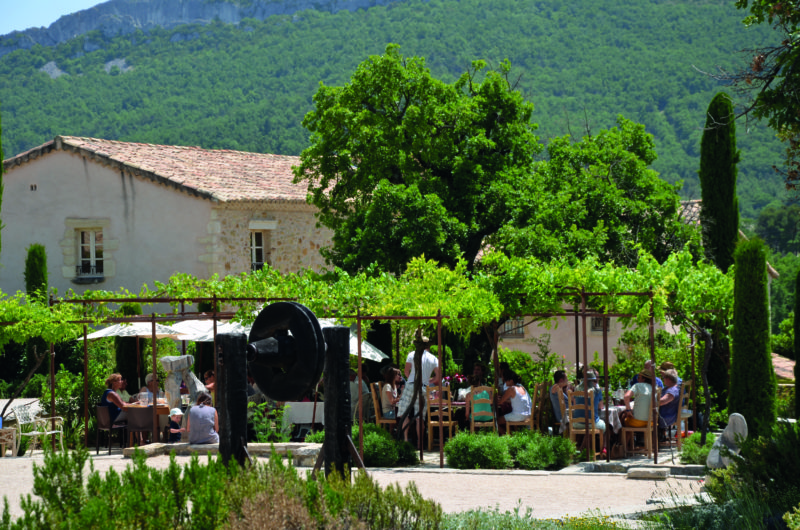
513,327
90,253
597,324
259,250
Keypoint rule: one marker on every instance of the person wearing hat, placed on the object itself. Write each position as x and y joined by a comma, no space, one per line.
175,429
666,365
641,394
591,381
648,367
669,404
430,374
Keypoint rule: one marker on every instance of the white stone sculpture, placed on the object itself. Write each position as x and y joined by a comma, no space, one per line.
179,369
733,433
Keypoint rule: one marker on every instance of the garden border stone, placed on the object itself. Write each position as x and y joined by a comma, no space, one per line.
303,454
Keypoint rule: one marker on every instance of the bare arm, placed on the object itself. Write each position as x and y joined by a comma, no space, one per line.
665,399
627,399
114,398
437,376
508,394
407,370
216,420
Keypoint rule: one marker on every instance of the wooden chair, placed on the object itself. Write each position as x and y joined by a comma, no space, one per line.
491,421
31,425
539,404
440,405
529,423
104,424
684,413
647,432
578,424
389,423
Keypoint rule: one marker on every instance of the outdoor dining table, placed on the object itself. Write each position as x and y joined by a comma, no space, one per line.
614,413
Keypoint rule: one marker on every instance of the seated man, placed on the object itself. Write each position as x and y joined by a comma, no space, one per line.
669,403
591,379
559,391
648,368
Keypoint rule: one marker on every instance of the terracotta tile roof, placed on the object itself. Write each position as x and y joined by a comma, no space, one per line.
218,175
784,368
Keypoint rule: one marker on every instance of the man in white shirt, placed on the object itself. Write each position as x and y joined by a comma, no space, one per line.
431,374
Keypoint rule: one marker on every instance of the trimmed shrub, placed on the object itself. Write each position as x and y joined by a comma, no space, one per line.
478,451
694,453
380,447
752,374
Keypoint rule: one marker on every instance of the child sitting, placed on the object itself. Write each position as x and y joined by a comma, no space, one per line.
175,430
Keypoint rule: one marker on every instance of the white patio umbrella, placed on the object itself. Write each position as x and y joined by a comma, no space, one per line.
135,329
203,330
368,351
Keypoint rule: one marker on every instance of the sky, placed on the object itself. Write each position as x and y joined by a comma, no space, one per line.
24,14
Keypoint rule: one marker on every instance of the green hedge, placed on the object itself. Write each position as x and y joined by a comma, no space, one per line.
380,447
525,450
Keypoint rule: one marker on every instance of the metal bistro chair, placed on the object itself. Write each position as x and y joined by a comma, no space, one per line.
140,419
104,424
26,416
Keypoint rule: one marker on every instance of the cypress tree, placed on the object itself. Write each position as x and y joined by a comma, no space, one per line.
125,350
752,374
719,215
36,271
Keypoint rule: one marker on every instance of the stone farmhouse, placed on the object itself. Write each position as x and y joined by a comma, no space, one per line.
120,214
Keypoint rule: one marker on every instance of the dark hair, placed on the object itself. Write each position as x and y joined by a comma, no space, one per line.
510,375
209,373
203,398
390,376
559,375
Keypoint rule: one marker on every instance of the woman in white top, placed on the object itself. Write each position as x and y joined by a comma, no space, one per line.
519,398
389,393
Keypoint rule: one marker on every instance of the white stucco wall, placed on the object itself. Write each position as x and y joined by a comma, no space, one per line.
152,231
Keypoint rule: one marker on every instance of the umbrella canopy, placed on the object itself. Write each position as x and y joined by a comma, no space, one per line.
368,351
203,330
135,329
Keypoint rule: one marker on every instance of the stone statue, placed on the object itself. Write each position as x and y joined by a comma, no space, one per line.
737,428
179,369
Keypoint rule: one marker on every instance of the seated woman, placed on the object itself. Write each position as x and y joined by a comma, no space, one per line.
203,421
389,393
641,393
110,399
520,401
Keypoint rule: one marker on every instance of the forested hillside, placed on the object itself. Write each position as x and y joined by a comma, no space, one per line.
247,86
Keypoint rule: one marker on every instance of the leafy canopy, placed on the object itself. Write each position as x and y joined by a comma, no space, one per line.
402,164
597,197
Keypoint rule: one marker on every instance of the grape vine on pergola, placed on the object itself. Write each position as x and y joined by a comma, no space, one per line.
471,302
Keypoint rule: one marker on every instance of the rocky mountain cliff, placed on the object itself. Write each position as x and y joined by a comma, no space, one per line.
119,17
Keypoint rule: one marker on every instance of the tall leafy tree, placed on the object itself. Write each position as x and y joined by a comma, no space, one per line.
598,196
753,381
719,215
1,180
402,164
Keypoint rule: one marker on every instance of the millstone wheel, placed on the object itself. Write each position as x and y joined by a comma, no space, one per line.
295,370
